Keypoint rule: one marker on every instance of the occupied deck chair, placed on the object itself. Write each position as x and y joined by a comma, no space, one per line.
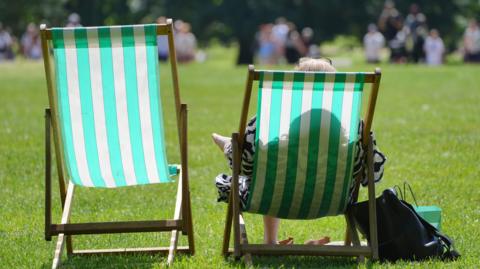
307,124
106,116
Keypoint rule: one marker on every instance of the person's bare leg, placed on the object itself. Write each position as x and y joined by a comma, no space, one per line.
270,229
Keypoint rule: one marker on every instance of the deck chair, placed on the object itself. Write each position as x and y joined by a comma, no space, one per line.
106,116
306,129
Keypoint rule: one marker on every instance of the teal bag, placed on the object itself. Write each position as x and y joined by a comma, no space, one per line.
432,214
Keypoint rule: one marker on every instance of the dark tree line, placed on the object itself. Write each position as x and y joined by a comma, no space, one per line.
238,20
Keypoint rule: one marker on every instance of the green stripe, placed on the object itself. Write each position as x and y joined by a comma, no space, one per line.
313,145
273,140
110,107
128,43
155,108
257,138
88,120
293,143
64,105
357,97
334,138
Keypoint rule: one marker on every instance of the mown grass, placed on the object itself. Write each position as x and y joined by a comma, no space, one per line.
427,122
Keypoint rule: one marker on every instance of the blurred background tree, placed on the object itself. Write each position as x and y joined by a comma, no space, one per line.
237,21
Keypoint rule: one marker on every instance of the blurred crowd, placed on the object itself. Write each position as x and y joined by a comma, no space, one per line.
281,42
409,39
29,46
185,42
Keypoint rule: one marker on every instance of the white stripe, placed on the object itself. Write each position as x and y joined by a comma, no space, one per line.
343,142
283,143
323,145
122,110
76,108
98,108
304,136
262,143
144,105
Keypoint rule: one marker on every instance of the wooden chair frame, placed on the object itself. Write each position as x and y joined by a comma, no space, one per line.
182,219
351,246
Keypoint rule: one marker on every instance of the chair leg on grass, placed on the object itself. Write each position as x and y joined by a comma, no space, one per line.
228,228
176,215
353,234
372,209
247,257
237,253
65,217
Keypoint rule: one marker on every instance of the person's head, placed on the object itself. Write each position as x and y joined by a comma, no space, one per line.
186,28
307,33
372,28
414,8
74,19
161,20
473,23
318,65
434,33
389,4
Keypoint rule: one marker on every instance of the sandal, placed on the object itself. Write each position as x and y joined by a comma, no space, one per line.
322,241
288,241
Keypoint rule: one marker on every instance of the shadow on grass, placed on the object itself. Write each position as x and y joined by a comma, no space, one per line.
300,262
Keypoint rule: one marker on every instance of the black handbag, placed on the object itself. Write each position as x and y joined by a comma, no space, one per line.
402,233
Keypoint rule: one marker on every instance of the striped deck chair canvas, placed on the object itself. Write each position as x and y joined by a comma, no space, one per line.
306,129
106,112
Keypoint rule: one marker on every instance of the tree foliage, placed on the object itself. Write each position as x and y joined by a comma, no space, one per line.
234,20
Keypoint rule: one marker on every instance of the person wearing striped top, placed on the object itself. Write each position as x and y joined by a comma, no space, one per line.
223,181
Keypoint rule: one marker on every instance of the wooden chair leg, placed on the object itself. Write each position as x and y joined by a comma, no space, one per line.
372,208
186,202
228,227
353,234
236,197
174,238
65,217
247,257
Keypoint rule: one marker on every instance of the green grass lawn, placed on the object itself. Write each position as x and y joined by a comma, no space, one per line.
427,122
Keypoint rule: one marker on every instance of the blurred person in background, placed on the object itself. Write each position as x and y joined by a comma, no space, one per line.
373,42
162,42
73,20
185,42
267,50
294,47
388,22
397,45
416,22
30,43
6,43
471,42
312,50
434,48
279,35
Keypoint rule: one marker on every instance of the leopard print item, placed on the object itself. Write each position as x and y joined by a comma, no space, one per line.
223,181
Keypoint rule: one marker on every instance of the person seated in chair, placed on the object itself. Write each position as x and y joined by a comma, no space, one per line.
223,181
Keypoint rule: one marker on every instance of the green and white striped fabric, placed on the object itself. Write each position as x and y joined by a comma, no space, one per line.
108,98
307,126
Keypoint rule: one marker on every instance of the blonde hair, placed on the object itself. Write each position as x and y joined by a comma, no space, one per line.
310,64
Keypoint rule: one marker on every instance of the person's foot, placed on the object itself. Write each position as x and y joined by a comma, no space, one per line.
221,141
288,241
321,241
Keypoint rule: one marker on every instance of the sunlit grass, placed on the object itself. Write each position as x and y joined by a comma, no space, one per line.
427,122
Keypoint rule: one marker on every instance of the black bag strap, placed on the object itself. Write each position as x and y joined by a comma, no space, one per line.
405,185
450,253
